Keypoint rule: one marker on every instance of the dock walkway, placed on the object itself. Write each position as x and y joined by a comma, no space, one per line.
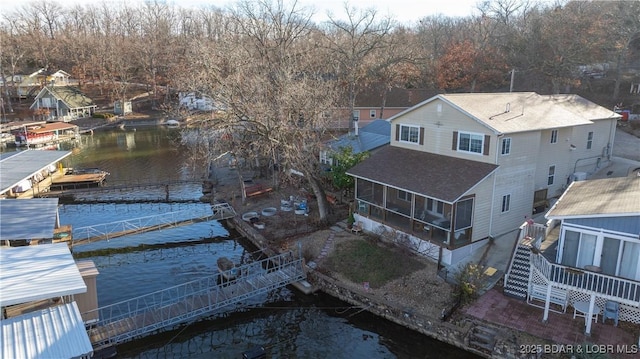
127,320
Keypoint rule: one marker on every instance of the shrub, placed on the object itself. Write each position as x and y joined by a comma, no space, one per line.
470,280
106,115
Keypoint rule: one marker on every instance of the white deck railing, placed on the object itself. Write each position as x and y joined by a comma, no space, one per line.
603,285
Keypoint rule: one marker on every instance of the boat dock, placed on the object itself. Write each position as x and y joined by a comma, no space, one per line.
161,310
75,181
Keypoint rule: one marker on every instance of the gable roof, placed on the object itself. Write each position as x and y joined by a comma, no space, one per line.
437,176
607,197
512,112
376,134
71,96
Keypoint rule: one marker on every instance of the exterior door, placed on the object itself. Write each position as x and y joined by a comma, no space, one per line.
609,256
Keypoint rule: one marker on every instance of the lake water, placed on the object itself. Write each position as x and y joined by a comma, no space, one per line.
286,323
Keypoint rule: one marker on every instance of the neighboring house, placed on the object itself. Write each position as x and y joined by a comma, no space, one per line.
30,84
196,102
603,230
463,168
374,104
59,78
373,136
587,255
64,103
371,103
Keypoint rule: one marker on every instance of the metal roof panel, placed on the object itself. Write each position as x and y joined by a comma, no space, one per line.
55,332
24,164
38,272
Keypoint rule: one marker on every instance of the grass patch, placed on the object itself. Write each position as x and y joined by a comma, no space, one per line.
364,261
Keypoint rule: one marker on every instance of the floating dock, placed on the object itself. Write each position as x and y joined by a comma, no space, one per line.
76,181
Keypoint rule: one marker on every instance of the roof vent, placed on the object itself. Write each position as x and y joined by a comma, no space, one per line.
508,107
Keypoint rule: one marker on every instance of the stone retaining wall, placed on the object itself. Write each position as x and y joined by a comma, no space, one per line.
456,335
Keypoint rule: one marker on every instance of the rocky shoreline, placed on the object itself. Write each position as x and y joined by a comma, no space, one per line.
470,334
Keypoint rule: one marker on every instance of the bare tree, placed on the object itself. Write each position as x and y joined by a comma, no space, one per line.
352,42
622,23
265,71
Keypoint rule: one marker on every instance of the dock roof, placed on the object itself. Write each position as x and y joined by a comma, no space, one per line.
55,332
28,218
39,272
18,166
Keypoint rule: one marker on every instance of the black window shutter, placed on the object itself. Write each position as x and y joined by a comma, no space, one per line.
455,141
398,132
487,141
421,135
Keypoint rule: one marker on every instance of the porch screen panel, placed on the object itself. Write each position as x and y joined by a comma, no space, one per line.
610,250
398,201
570,248
464,212
587,250
420,211
629,261
378,194
364,190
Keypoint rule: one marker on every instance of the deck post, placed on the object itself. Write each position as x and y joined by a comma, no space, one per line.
547,303
589,317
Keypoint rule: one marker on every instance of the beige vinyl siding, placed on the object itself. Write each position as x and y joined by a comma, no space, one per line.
587,159
482,209
518,182
439,128
554,154
516,176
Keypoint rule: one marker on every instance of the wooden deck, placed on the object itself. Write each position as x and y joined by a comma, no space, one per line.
78,181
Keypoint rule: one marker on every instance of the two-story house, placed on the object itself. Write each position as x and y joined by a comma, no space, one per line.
463,168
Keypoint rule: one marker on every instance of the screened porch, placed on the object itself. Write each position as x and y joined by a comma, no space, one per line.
446,224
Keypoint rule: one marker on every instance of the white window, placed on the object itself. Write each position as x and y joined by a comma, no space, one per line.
409,134
506,203
552,174
372,113
325,158
589,140
505,148
554,136
470,142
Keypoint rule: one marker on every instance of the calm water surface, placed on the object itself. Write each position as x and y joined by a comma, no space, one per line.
286,323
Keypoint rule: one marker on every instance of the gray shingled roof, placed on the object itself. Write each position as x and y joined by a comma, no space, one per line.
442,177
71,96
525,111
608,197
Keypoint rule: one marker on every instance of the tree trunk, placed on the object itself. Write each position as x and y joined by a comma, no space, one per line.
616,87
321,197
